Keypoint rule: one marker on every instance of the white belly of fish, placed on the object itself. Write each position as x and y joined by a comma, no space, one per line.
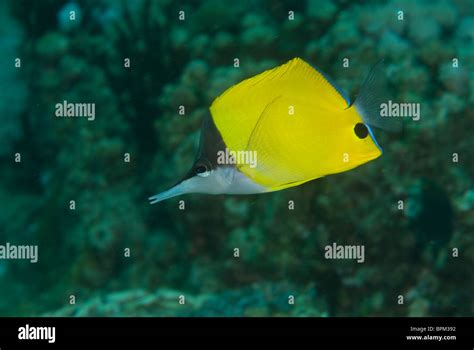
222,180
229,180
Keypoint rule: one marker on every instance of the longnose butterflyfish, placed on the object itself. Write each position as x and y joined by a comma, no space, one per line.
279,129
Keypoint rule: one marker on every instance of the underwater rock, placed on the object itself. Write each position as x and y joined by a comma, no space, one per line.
464,30
411,80
435,52
445,13
195,74
12,86
393,46
176,96
250,241
238,210
52,46
321,10
200,45
419,308
69,16
345,31
422,31
72,67
261,299
224,43
449,104
179,38
252,20
466,202
222,15
313,50
379,19
454,79
221,79
431,214
256,34
259,37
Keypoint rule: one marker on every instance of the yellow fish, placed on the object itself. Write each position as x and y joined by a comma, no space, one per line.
279,129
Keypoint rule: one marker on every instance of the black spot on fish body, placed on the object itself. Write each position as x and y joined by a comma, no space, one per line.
361,130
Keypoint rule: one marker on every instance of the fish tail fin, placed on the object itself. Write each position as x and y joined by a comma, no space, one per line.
370,98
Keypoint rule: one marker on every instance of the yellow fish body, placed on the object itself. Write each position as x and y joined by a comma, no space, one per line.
279,129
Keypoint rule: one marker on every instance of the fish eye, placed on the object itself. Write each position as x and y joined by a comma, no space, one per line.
202,170
361,130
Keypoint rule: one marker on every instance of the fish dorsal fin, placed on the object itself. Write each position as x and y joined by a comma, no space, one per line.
237,111
372,94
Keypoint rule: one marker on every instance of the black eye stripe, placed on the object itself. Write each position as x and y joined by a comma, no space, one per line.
361,130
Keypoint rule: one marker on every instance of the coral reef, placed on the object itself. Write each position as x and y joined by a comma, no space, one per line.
176,63
13,89
256,300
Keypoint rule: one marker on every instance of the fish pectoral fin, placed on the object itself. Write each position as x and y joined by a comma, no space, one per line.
285,145
260,119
